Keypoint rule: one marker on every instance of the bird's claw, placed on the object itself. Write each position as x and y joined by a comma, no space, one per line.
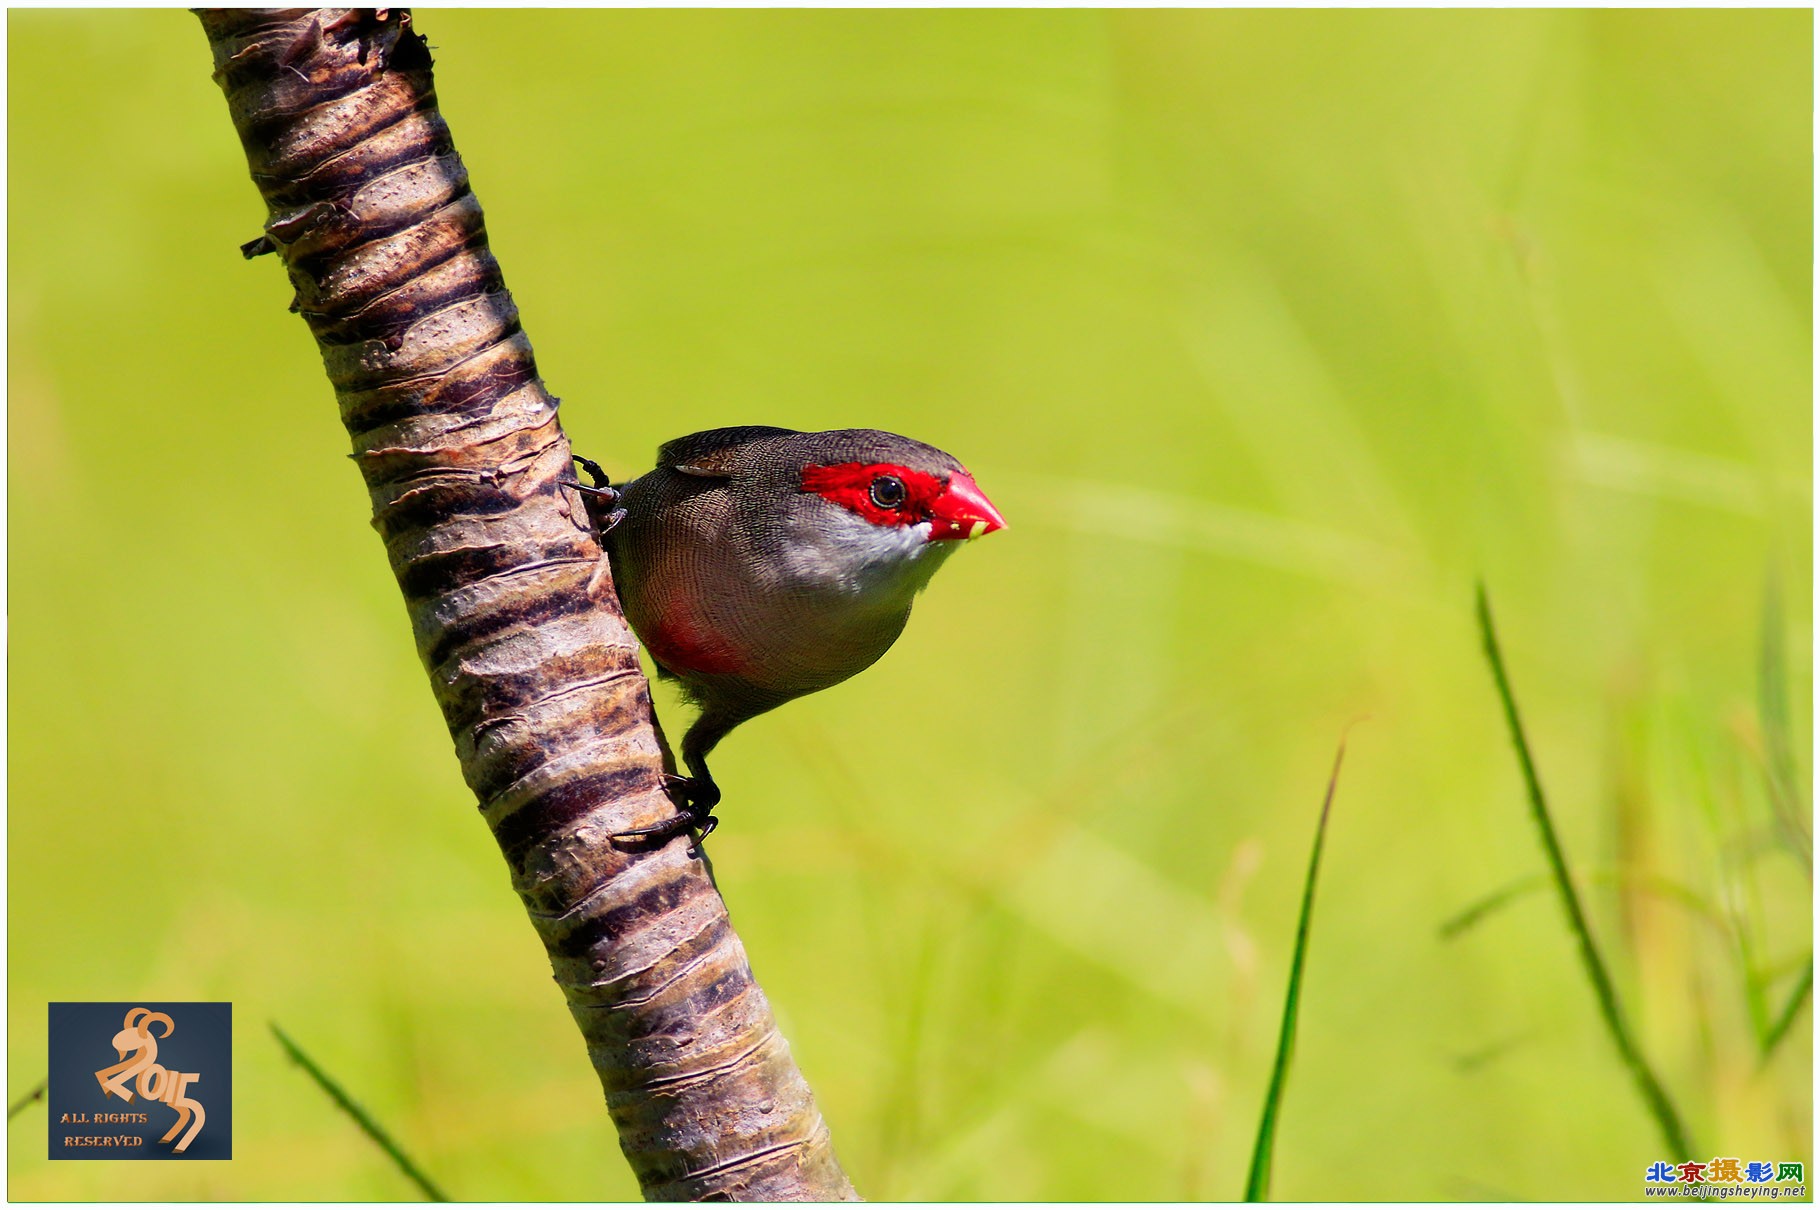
604,514
594,469
693,795
608,521
695,799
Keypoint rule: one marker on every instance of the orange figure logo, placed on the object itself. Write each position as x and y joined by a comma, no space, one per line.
153,1082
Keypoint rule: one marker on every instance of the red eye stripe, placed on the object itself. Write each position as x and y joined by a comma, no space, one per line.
849,484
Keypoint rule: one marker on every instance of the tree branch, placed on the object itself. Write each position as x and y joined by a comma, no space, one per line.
515,618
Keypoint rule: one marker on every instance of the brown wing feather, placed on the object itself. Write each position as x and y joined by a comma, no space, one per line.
710,454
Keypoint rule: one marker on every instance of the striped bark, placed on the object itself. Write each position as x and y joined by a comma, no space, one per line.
514,615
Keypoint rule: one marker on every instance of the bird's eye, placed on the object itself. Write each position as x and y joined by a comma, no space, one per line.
888,491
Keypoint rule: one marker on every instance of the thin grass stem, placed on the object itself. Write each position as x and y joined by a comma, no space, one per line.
1780,772
1786,1018
1476,913
1257,1181
1655,1097
361,1118
37,1094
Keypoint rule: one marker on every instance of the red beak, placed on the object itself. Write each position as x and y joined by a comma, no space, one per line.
963,511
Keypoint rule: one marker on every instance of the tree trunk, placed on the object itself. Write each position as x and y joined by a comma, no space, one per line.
513,610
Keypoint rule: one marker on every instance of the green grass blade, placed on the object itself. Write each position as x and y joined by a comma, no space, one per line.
37,1094
372,1129
1654,1095
1665,889
1786,1018
1780,770
1476,913
1257,1181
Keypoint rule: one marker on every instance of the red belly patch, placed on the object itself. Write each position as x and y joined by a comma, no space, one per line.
683,647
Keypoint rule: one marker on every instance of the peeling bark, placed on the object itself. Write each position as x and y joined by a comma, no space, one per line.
528,654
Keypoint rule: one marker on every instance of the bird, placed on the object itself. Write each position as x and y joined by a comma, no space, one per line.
758,564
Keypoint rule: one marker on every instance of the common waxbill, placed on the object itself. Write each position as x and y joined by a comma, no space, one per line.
758,564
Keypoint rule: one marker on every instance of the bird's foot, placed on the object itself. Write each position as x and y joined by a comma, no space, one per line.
695,799
595,472
600,498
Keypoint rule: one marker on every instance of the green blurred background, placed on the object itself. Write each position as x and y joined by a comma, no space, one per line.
1270,332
